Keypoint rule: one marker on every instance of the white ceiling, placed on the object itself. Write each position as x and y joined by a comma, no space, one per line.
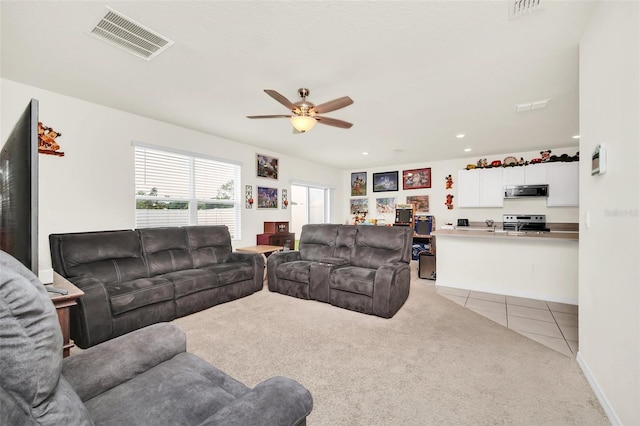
419,72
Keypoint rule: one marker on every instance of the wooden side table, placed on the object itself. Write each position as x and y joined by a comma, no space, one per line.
63,304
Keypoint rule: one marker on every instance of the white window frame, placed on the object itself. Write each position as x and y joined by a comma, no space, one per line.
235,226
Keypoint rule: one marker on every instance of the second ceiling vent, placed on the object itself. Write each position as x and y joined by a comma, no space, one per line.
127,34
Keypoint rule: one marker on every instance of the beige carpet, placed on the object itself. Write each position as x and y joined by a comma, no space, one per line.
434,363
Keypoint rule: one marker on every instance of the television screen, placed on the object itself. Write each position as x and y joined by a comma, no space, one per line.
19,190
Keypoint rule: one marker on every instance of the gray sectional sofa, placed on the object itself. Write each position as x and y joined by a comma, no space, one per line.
361,268
134,278
143,378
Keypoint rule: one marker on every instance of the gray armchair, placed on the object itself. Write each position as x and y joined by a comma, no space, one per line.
145,377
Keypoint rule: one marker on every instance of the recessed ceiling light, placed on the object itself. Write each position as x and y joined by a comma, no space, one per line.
467,149
365,153
576,137
460,135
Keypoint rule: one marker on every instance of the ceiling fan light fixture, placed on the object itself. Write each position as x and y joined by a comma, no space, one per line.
302,123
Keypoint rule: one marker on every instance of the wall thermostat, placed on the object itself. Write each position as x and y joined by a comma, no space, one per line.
599,160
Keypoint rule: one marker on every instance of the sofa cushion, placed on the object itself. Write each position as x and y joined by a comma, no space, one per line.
317,241
345,241
194,390
31,353
191,281
129,295
111,256
354,280
231,272
166,249
376,246
209,244
298,270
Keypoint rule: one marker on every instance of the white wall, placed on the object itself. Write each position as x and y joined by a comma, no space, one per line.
609,276
92,186
437,193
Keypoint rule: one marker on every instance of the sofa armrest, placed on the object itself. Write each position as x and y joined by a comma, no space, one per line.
276,259
102,367
319,277
256,261
279,401
390,288
91,318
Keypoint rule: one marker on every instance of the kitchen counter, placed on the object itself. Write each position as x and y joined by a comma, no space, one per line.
498,233
523,264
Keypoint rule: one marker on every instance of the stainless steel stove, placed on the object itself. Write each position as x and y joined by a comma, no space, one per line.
525,222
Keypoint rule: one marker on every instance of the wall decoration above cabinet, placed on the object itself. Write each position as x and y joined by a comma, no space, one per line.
267,198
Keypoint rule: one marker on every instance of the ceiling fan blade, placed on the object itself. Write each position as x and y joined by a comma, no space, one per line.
284,101
333,105
269,116
334,122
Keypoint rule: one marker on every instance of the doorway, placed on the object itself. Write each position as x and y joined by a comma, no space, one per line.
309,204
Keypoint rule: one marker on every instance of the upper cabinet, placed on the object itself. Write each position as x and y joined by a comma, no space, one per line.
533,174
480,188
485,187
563,184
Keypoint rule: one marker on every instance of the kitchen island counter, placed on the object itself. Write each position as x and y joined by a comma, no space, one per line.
490,233
523,264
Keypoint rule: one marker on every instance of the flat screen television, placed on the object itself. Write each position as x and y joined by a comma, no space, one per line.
19,190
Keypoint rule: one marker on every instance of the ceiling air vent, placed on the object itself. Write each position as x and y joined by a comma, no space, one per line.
127,34
519,8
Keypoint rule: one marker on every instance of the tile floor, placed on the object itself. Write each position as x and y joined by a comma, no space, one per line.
554,325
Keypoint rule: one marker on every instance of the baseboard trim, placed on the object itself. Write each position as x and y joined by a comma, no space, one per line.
608,409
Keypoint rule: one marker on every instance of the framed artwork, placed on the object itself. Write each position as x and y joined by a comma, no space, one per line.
358,184
420,203
266,167
416,178
359,205
387,181
267,198
385,205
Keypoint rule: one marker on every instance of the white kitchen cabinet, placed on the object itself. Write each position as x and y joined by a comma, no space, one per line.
513,175
480,188
563,181
468,188
535,174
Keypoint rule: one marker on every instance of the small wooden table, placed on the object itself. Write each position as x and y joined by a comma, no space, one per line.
63,304
264,250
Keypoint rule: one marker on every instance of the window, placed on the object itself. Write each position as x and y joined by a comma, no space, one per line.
176,189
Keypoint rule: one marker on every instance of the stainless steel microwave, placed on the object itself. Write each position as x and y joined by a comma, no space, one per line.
517,191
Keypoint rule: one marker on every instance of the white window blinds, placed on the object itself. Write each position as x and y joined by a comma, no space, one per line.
177,189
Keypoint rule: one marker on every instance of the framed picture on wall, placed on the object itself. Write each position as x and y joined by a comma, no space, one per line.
267,198
359,205
358,184
385,205
387,181
420,203
266,167
416,178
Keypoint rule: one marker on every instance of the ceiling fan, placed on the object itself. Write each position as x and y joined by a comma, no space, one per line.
305,114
